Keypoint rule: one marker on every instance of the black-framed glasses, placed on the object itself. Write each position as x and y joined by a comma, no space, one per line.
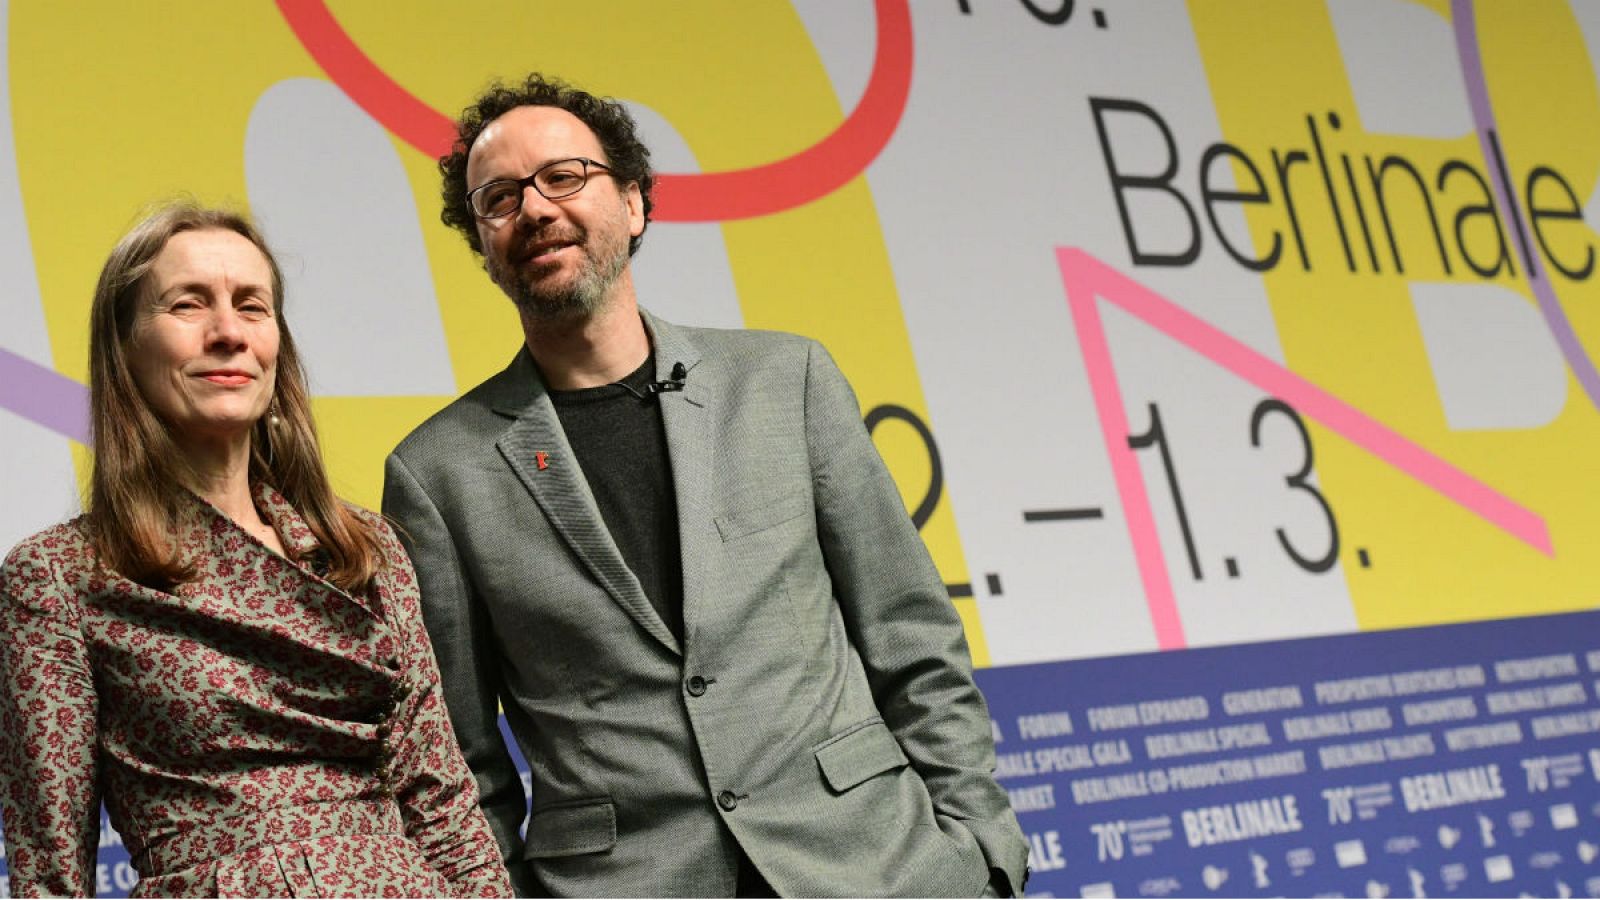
553,180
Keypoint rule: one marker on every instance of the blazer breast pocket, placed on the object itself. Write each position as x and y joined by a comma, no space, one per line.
762,514
572,828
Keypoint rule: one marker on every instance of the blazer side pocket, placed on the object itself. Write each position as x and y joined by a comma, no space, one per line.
857,755
572,828
761,516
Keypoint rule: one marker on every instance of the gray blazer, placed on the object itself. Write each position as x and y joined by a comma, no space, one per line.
820,710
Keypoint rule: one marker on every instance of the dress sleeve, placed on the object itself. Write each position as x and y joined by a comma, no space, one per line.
49,786
436,792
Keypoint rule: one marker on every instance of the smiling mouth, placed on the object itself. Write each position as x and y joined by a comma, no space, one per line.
546,251
227,379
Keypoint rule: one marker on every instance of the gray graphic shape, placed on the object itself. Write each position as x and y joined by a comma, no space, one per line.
682,271
1493,360
328,187
1403,68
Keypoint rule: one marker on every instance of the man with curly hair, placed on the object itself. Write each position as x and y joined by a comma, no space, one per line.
676,559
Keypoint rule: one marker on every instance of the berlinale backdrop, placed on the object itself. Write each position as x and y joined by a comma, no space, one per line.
1236,359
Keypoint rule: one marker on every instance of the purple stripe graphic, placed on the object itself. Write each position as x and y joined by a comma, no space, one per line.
1555,318
44,397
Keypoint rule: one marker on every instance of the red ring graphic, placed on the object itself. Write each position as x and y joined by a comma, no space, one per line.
706,197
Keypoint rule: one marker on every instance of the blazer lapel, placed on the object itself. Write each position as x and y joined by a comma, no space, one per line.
686,414
536,448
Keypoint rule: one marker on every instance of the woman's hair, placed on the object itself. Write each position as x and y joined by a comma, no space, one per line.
139,476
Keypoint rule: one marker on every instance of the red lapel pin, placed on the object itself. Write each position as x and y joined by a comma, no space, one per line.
542,458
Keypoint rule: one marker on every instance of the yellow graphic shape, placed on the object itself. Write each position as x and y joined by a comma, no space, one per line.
142,107
1355,333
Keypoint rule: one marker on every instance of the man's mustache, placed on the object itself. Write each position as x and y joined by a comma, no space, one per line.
527,248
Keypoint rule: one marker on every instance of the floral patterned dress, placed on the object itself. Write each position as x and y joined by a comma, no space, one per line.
257,732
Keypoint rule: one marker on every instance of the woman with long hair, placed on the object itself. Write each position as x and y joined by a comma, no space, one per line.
220,650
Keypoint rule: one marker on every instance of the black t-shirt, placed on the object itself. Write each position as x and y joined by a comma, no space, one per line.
620,443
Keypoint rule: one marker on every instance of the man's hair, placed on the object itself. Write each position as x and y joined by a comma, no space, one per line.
139,476
627,157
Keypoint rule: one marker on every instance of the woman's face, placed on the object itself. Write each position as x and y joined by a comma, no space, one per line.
204,348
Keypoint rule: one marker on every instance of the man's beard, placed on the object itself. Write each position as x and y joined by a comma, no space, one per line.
585,293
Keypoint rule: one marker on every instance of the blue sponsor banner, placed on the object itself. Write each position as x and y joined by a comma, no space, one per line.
1459,760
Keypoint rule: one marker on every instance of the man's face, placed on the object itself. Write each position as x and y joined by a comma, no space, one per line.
556,259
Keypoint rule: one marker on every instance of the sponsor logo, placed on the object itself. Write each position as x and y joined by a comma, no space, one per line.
1563,816
1258,867
1486,830
1433,790
1159,887
1417,882
1241,821
1350,854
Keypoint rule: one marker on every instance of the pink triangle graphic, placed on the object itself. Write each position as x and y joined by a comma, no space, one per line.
1087,279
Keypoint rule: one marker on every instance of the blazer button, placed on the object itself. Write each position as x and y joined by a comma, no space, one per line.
696,686
728,800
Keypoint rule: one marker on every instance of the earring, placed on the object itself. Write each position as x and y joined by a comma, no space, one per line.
274,423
